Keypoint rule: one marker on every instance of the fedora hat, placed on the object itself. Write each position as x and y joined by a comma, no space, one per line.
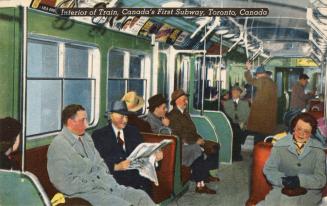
156,101
236,87
176,94
119,107
133,101
260,70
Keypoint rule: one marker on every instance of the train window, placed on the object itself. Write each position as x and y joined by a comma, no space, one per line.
210,81
125,73
162,75
58,74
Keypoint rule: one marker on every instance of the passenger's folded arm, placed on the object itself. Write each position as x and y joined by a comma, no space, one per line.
271,170
318,179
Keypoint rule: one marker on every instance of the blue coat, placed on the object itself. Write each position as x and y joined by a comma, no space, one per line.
84,174
309,166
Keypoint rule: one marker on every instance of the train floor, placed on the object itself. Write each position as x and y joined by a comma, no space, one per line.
232,190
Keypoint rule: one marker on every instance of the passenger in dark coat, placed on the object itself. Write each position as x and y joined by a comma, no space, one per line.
263,114
299,98
115,143
192,155
9,142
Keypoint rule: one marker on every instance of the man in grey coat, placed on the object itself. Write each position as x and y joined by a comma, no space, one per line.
299,98
237,111
76,169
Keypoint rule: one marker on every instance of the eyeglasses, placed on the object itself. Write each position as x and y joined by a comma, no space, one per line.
304,131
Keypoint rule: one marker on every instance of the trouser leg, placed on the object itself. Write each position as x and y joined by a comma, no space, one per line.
200,170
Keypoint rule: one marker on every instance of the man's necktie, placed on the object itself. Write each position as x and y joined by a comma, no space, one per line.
120,140
235,108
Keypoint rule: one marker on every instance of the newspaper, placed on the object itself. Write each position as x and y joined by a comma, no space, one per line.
143,159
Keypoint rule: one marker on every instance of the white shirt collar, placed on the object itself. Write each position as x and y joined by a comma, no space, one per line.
182,111
116,130
236,100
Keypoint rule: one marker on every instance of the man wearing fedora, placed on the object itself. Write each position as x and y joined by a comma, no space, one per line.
115,142
76,169
192,150
263,114
157,114
237,111
134,104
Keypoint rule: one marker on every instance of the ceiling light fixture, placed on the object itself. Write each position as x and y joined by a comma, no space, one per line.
173,4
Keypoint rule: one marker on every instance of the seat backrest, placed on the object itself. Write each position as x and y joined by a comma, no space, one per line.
36,163
259,184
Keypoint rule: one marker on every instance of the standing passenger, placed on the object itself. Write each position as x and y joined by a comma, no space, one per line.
76,169
192,155
298,98
263,114
237,111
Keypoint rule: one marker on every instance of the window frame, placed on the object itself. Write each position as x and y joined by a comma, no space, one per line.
145,69
94,66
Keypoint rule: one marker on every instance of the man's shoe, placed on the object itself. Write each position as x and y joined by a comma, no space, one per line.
205,190
212,179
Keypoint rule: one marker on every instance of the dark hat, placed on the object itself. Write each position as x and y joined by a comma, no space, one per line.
9,129
260,70
119,107
303,76
236,87
176,94
156,101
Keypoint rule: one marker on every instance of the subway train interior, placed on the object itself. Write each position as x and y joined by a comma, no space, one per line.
48,61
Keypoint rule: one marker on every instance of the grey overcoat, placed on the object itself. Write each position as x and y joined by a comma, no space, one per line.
309,166
79,173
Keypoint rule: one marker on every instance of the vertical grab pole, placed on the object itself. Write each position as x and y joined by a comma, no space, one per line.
219,70
23,80
203,70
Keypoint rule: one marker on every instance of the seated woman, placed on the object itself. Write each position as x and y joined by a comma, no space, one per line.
296,166
9,141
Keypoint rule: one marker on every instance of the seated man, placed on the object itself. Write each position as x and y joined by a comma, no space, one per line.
76,169
157,114
237,111
192,155
134,104
115,142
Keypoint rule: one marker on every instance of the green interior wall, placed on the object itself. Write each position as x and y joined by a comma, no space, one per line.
51,26
10,62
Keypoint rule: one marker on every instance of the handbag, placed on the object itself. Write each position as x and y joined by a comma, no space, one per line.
210,147
294,191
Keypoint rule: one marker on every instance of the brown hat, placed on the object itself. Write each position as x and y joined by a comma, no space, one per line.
156,101
133,101
176,94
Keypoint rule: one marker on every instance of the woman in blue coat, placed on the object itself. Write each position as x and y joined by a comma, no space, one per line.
296,166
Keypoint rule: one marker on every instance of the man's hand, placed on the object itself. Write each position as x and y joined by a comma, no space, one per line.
159,155
165,121
123,165
248,65
200,141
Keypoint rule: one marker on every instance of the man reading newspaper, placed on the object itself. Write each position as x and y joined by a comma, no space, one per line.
116,142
